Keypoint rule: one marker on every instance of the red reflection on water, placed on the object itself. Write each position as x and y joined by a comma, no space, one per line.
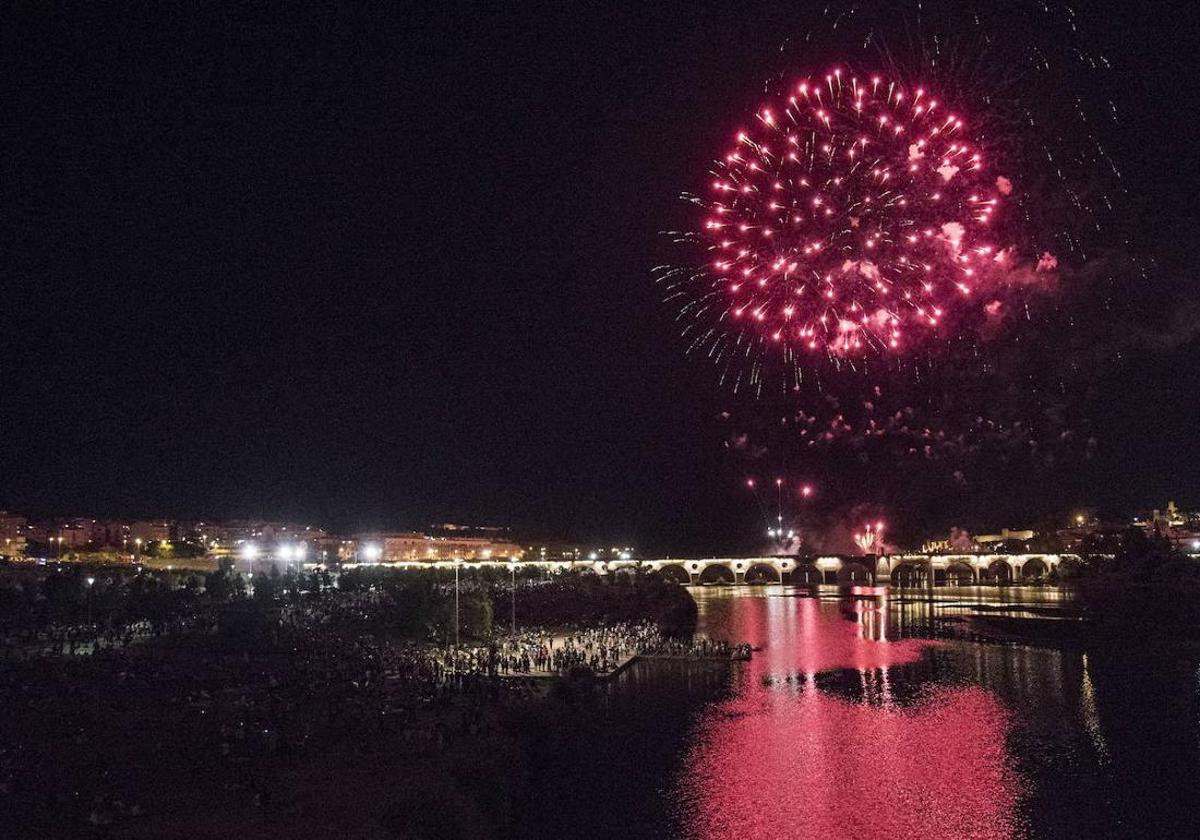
785,760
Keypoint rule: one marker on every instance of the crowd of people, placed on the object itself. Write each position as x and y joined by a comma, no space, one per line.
82,734
539,652
598,650
87,639
101,706
233,711
542,652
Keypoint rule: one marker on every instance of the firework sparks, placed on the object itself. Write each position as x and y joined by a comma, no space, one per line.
851,219
781,528
870,538
887,269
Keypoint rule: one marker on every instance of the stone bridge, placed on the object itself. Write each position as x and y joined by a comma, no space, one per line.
898,570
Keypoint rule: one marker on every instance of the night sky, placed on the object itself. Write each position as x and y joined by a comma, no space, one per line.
391,266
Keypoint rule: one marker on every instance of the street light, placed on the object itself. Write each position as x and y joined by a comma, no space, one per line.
90,581
457,563
512,567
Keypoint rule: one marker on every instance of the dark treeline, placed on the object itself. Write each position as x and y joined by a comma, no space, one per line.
589,599
1131,577
1134,556
41,597
413,604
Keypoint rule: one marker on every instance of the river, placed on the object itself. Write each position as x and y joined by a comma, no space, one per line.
855,719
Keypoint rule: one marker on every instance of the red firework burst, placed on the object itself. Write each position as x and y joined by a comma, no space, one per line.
854,217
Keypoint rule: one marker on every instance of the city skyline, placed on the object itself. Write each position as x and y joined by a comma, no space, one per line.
82,538
257,342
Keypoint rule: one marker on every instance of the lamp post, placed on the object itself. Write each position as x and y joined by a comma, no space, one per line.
90,581
457,562
512,567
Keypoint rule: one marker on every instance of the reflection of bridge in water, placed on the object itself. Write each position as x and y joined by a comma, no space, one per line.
900,570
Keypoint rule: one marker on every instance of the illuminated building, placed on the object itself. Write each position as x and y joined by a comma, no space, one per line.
1005,536
150,531
13,529
12,524
413,546
1181,528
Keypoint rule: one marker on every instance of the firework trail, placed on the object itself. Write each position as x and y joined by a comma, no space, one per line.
782,528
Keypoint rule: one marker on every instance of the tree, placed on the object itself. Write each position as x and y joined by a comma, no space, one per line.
267,586
475,616
220,584
63,593
1131,555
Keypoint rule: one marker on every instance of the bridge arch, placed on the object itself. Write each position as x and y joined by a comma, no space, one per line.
998,571
960,573
854,571
807,574
717,573
673,572
762,573
909,575
1035,568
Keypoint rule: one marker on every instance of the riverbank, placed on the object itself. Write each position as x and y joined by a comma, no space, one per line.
1158,616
